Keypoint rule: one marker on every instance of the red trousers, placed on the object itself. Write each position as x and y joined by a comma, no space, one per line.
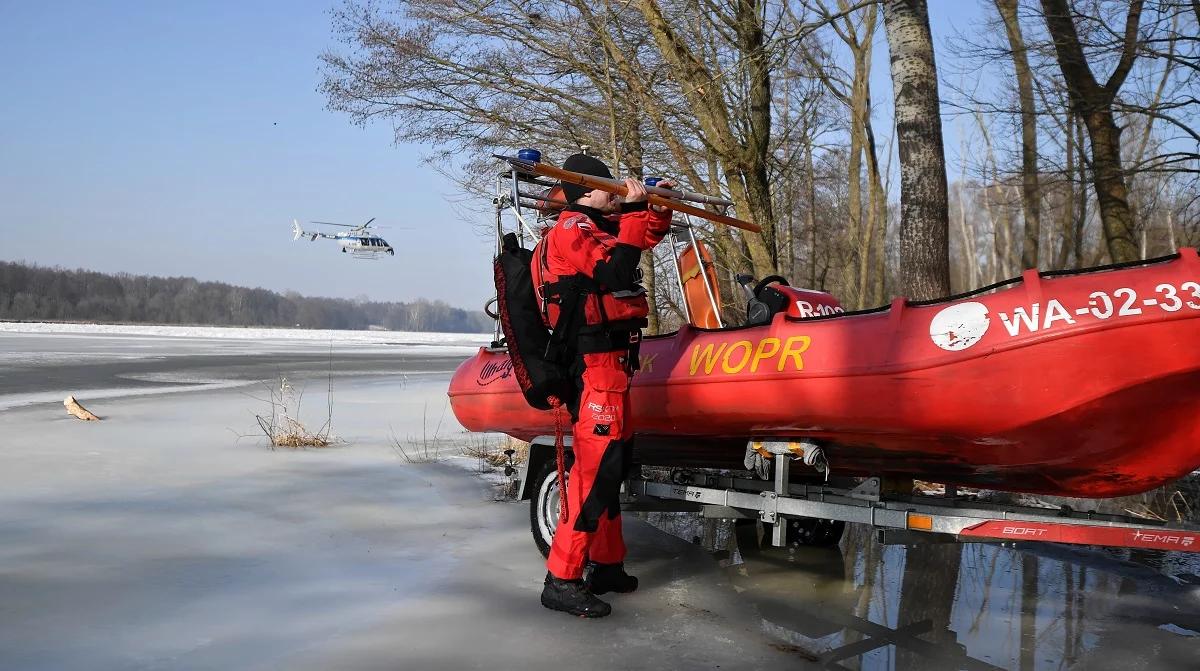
600,442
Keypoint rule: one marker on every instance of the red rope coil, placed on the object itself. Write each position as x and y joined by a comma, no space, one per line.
560,454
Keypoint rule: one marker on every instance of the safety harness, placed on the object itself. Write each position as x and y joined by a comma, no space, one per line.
571,334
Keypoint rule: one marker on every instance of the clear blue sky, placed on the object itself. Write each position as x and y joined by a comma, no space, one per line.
177,138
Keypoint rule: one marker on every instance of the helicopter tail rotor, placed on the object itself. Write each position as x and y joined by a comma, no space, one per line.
297,232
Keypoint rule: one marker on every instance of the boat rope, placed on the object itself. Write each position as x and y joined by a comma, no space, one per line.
560,455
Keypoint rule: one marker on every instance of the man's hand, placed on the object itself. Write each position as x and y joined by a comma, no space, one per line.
636,191
666,184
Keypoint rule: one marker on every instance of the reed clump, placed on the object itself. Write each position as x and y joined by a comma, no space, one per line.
282,426
489,451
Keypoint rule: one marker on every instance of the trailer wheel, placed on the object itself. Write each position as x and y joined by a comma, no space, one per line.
814,532
746,533
543,506
806,531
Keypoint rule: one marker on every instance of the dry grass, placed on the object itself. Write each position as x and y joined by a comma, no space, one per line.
495,453
492,452
423,450
293,434
282,425
1176,503
1168,504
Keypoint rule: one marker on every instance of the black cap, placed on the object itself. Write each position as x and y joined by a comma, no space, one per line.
588,165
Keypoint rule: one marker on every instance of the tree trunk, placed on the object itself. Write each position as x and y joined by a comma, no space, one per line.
871,264
996,268
862,122
1081,193
810,218
924,212
1067,222
998,216
854,192
749,19
1030,192
877,221
744,163
1112,196
883,278
1093,103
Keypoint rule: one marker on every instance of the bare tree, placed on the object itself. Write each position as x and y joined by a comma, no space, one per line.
1093,102
1030,192
743,156
867,225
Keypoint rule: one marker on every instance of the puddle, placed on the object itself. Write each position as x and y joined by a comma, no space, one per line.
862,605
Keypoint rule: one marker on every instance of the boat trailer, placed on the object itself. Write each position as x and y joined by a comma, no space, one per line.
899,519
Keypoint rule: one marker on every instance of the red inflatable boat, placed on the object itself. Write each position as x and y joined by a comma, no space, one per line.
1083,384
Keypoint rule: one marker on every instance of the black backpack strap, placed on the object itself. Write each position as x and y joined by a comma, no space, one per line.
571,297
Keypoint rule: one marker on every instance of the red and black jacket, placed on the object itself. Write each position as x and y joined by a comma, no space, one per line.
598,258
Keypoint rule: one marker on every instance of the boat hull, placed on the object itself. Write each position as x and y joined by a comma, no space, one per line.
1084,385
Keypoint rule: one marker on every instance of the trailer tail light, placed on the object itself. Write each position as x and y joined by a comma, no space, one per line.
920,522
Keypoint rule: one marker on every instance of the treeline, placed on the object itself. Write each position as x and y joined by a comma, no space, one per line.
31,292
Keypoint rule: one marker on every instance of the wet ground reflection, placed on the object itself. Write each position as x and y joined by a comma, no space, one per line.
863,605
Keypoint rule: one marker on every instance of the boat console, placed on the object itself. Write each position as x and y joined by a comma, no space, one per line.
772,295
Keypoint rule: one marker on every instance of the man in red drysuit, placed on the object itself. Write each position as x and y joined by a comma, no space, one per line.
590,252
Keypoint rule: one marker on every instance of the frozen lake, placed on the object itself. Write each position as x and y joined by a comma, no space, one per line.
45,362
159,538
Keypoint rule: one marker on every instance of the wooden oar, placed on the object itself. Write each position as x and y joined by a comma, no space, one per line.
614,186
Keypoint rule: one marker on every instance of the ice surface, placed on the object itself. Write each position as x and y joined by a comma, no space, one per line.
169,536
10,401
40,363
440,343
157,539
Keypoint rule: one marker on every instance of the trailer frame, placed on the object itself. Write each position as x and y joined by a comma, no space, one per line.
897,518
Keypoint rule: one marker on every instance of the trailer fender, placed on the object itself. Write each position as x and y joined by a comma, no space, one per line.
541,451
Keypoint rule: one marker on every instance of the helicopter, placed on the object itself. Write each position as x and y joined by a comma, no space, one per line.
358,241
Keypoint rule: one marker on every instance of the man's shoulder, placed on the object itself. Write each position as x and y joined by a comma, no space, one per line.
572,228
573,222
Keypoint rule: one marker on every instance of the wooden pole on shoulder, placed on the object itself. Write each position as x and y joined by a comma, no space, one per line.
617,187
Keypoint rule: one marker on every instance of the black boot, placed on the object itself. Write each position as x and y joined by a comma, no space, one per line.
605,578
572,596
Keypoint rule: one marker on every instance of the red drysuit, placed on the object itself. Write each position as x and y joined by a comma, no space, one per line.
615,308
